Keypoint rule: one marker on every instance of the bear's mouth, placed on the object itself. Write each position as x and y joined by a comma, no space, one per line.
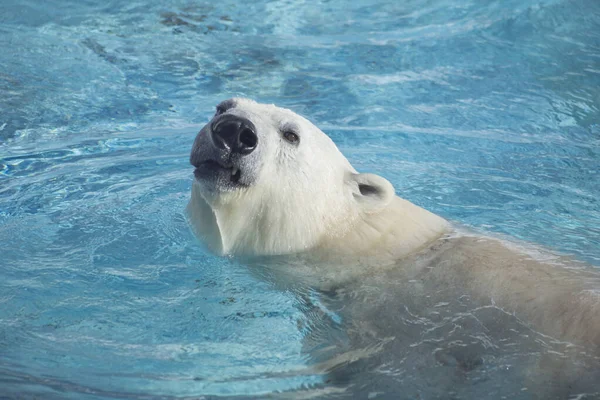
210,167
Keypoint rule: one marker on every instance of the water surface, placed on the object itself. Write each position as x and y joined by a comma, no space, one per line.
485,112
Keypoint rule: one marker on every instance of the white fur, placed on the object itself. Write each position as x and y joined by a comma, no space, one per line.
306,196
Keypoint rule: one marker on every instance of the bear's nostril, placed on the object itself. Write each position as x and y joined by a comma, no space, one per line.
234,133
248,138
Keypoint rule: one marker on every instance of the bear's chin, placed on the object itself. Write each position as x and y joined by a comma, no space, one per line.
215,177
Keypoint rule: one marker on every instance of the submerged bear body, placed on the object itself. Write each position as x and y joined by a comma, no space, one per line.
273,189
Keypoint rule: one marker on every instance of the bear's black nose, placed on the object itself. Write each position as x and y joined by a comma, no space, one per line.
234,133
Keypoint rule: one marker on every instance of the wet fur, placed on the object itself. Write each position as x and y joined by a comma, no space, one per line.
310,217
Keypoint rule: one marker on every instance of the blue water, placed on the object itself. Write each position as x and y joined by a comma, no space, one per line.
485,112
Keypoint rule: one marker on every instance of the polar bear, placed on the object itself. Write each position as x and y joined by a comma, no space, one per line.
271,186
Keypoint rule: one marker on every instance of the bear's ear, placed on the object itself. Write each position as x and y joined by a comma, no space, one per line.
371,191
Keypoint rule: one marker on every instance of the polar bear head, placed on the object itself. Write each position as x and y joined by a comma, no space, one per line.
267,182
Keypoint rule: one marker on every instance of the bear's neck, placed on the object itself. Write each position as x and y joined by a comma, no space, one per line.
374,239
374,243
384,237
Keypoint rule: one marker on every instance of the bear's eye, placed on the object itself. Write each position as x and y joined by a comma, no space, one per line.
291,137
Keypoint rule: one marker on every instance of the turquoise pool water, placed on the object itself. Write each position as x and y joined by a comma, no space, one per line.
485,112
